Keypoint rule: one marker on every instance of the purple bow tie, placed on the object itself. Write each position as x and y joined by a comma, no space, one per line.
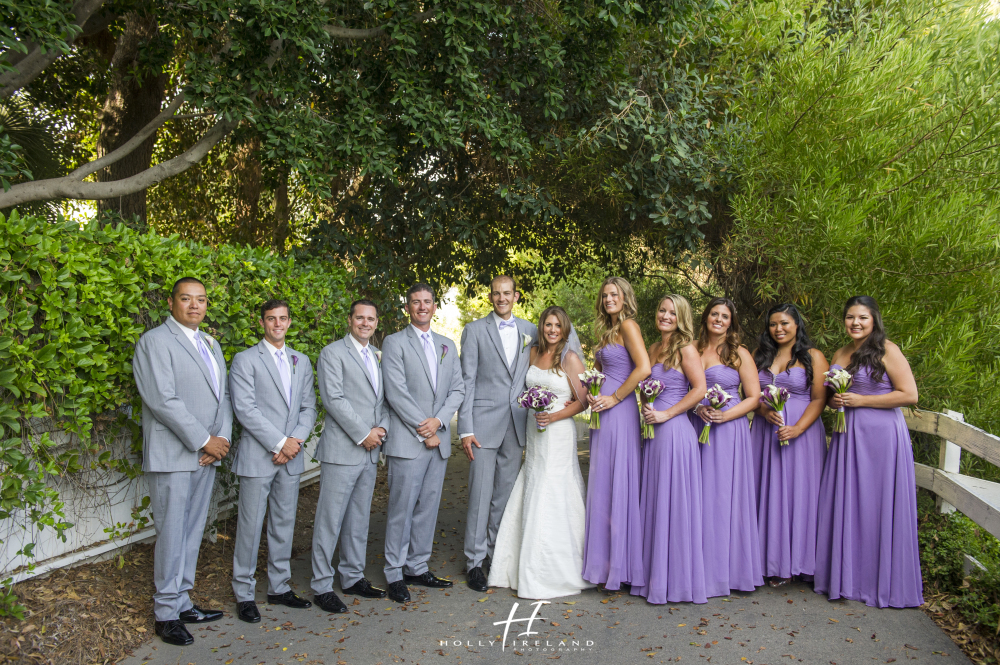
507,324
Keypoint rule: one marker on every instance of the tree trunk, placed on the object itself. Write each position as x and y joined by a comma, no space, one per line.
281,212
245,181
134,99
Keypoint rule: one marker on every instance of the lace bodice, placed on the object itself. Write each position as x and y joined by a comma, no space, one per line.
556,382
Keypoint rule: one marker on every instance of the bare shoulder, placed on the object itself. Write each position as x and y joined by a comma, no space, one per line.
690,352
745,355
817,355
893,352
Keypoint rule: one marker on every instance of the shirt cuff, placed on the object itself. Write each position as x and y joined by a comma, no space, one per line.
206,442
361,441
281,444
462,436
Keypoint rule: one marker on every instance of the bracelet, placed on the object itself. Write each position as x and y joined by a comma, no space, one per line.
615,393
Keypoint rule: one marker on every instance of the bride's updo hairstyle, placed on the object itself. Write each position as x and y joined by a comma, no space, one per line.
729,349
606,331
872,350
543,344
670,354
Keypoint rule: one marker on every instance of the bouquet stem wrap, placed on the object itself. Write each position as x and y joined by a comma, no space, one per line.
648,390
717,398
841,381
775,399
593,380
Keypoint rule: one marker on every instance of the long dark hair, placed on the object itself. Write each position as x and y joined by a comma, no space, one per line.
872,350
767,348
729,349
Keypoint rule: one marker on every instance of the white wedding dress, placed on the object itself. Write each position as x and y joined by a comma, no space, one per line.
539,547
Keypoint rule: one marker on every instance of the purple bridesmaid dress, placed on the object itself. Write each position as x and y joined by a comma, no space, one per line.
732,546
788,489
612,545
866,547
670,502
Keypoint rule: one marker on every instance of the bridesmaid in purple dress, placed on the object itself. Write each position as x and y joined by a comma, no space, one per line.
670,497
866,546
792,452
612,550
732,548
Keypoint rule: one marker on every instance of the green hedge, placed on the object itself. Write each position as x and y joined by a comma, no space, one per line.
73,302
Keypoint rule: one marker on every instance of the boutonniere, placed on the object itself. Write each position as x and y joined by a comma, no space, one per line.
444,352
295,362
525,342
378,355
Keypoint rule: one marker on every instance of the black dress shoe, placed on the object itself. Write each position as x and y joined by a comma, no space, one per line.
398,592
329,602
289,599
428,579
198,615
173,632
477,579
247,611
364,588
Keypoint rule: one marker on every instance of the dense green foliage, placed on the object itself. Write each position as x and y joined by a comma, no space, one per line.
72,305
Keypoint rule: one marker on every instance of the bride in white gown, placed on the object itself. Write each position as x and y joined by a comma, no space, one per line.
539,547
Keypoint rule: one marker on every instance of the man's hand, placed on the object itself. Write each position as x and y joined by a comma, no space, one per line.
428,426
205,460
291,447
281,457
217,447
374,438
467,443
432,441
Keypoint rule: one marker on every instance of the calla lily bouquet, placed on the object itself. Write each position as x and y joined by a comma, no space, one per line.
775,399
648,390
841,381
593,380
537,398
717,398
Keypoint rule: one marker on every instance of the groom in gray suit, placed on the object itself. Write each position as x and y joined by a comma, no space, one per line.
351,385
423,385
495,359
274,400
187,422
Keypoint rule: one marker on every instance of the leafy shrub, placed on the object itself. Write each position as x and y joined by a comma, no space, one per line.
74,301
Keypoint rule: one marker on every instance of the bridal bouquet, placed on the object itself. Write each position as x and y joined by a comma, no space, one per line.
593,380
840,380
775,398
648,389
536,398
717,398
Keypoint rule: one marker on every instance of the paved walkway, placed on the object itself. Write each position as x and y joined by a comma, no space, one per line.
789,625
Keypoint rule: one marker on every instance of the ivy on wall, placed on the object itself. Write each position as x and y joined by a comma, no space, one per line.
73,303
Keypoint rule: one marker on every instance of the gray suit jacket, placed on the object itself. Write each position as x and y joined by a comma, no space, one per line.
261,405
491,387
411,396
353,407
179,407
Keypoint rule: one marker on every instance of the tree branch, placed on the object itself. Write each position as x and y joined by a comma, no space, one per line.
338,32
35,61
70,187
130,145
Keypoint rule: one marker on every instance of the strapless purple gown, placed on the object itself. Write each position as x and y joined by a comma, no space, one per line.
788,485
866,547
670,501
612,546
732,546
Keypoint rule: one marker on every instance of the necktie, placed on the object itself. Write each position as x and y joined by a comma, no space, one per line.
203,350
508,324
431,358
371,367
286,379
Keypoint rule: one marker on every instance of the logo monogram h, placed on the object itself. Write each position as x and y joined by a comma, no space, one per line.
530,620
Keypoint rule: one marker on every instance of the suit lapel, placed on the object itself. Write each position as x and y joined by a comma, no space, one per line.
292,355
491,328
522,353
353,352
189,347
272,369
419,348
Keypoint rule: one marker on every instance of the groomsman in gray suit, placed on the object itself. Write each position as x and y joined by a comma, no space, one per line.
351,385
274,400
187,422
424,388
495,359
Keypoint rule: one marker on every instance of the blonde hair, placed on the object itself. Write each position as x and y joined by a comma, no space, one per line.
607,331
670,353
543,344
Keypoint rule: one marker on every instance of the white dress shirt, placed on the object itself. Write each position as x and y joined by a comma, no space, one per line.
190,335
273,350
433,361
509,340
360,347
